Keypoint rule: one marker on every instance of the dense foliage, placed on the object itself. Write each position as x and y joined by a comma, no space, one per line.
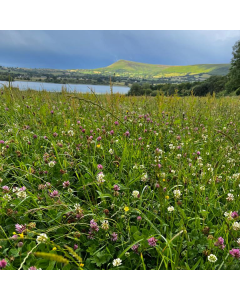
118,182
234,73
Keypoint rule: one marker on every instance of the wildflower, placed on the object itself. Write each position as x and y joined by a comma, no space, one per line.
51,164
144,177
116,187
220,243
20,228
117,262
3,263
55,134
54,248
135,248
7,197
32,268
170,208
234,215
127,133
66,184
100,167
21,194
230,197
54,194
126,208
177,193
114,237
238,241
2,142
42,238
93,225
212,258
152,242
235,253
139,218
236,226
71,133
98,145
100,177
6,188
75,247
166,197
105,225
135,194
111,151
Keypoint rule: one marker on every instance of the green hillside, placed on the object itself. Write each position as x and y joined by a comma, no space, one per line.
142,70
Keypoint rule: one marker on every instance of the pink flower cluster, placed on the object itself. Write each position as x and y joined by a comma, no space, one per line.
220,243
152,242
3,263
235,253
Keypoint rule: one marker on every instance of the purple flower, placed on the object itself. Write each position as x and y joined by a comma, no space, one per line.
3,263
135,248
116,187
234,214
114,237
152,242
75,247
100,167
112,132
34,136
20,228
55,134
139,218
93,225
99,138
2,142
22,188
52,112
32,268
66,184
235,253
127,133
116,123
5,188
220,243
54,194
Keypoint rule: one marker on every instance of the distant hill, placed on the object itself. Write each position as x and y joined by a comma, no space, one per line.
142,70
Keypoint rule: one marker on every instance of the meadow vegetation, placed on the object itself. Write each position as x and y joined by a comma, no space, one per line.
118,182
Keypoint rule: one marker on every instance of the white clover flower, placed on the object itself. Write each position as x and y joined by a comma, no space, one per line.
171,146
7,197
25,138
111,151
238,241
170,208
42,238
177,193
144,177
71,133
230,197
236,226
70,190
51,164
21,194
100,177
212,258
202,188
77,206
135,194
117,262
105,225
179,156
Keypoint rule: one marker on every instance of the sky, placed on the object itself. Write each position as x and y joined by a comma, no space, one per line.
86,49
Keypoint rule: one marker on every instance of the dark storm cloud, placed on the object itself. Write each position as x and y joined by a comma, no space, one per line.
93,49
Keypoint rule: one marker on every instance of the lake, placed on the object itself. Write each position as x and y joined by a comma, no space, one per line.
57,87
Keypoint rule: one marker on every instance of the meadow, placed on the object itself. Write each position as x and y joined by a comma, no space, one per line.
113,182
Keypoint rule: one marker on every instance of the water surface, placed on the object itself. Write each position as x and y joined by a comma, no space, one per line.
57,87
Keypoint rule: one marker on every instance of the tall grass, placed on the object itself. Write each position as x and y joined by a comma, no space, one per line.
179,155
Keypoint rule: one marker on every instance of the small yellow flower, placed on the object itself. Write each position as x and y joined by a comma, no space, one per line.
164,179
54,248
21,235
126,208
14,232
81,265
167,197
98,146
